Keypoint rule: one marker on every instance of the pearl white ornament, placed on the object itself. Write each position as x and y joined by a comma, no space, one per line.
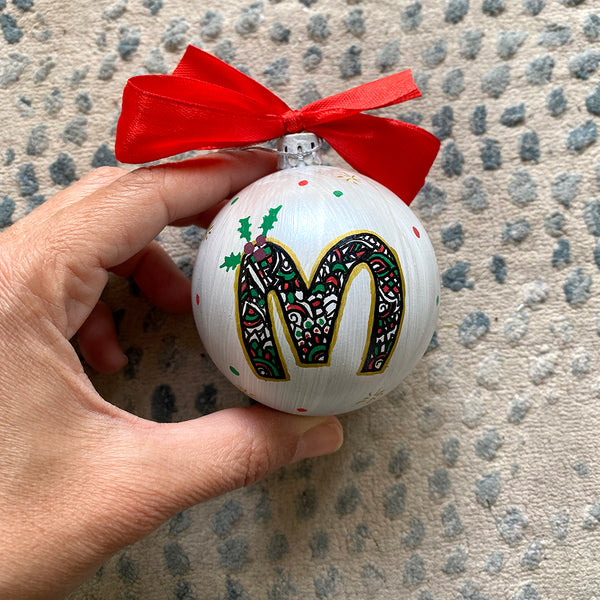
316,289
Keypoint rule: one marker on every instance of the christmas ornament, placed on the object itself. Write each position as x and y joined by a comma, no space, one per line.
316,289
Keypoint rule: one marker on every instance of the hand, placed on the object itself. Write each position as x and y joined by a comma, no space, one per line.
80,478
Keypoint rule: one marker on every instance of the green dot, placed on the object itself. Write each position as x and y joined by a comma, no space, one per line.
298,334
308,324
234,371
337,193
437,301
234,201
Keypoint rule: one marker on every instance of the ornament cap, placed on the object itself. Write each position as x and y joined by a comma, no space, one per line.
298,150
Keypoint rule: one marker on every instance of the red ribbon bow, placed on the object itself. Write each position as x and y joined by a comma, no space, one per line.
207,104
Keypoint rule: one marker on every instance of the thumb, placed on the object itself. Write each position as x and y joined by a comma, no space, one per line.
120,477
177,465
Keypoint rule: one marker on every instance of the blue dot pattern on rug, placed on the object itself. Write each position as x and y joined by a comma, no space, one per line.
483,464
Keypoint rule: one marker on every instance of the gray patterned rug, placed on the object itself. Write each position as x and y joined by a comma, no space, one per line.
478,478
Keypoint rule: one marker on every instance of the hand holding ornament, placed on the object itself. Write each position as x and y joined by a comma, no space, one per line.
80,478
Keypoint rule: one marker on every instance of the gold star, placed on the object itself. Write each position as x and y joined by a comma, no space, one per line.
246,392
349,177
208,231
371,397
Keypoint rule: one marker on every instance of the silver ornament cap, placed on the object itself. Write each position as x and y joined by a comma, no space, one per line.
298,150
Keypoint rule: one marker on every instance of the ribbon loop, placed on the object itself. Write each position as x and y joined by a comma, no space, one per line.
208,104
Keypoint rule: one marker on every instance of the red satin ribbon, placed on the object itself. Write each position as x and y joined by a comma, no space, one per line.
207,104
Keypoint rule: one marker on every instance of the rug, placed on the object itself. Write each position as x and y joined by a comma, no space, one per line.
478,477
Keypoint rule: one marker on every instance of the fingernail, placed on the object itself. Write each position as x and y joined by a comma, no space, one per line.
324,438
121,359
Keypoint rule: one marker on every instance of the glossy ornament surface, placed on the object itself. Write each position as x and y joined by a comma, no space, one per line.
316,290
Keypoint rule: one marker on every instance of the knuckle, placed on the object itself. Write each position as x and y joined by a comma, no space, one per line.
6,275
144,177
265,449
107,173
257,462
64,240
147,183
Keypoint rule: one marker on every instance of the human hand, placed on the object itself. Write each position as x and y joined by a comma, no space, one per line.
80,478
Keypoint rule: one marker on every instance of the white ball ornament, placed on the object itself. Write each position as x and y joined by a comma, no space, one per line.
316,289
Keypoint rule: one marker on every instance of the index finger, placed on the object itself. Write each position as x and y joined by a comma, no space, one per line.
124,217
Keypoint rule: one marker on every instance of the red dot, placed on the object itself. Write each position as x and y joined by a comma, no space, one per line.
301,409
303,182
416,232
197,299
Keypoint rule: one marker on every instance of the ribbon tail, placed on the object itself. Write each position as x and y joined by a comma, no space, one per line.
392,89
397,154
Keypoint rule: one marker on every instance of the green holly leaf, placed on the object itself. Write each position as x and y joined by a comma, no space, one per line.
244,229
231,261
269,220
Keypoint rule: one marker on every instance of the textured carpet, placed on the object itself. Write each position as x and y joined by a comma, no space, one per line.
478,478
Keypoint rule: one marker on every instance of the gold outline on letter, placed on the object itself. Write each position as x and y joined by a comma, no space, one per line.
272,302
